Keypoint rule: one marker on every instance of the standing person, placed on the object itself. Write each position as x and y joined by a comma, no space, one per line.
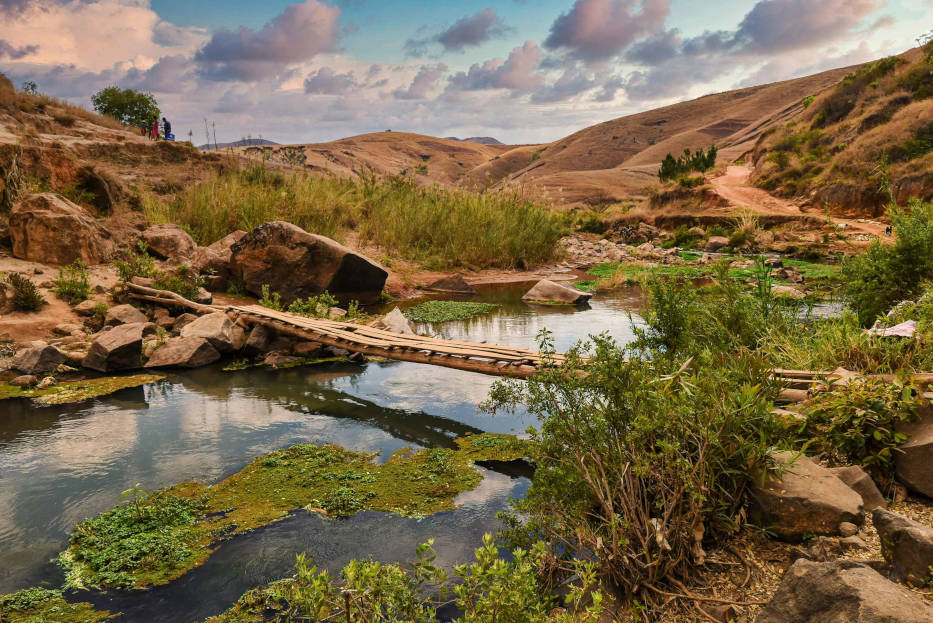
155,129
166,128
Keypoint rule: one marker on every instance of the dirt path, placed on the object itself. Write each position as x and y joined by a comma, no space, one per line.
734,186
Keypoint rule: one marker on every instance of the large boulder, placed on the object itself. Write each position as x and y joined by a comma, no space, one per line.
259,341
297,264
859,480
396,322
214,261
168,241
123,314
224,246
183,352
716,243
219,330
48,228
907,545
120,348
843,591
38,359
546,291
912,462
807,499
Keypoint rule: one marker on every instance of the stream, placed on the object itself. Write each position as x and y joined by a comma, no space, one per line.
60,465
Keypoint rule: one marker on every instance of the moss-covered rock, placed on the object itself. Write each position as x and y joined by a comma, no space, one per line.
76,391
35,605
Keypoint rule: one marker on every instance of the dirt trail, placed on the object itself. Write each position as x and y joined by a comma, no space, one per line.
734,187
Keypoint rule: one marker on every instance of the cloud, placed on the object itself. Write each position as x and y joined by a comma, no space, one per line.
422,84
517,72
299,33
171,74
16,53
780,25
656,49
468,31
597,30
328,82
570,83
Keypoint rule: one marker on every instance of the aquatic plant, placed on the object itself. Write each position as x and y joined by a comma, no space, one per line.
445,311
70,392
35,605
156,538
490,589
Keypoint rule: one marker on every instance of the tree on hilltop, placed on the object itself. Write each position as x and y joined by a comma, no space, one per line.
128,106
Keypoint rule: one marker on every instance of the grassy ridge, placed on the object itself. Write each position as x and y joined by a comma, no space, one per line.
438,227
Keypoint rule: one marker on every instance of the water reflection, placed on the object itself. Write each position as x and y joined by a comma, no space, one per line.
60,465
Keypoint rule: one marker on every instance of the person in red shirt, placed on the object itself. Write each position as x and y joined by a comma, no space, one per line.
155,129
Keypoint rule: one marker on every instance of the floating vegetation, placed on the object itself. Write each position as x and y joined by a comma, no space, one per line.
445,311
151,539
35,605
246,364
69,392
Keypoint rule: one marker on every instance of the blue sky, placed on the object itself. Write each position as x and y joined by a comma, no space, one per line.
520,70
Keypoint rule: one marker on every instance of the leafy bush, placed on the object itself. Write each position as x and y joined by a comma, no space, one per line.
314,306
183,281
491,590
73,284
26,296
887,274
856,423
138,264
639,464
271,300
843,99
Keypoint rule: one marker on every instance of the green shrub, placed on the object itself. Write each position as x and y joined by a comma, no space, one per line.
183,281
856,423
673,168
73,284
640,463
138,264
887,274
272,300
314,306
26,296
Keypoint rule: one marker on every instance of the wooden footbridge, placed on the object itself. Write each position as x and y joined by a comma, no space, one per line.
473,356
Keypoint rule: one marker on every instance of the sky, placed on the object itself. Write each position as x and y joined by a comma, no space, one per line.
522,71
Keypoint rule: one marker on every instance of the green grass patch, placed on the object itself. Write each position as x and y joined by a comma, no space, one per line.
155,538
40,605
70,392
436,226
445,311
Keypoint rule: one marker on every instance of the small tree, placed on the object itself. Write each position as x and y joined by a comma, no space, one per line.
129,107
30,88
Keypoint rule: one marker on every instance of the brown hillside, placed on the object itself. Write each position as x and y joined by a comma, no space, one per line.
871,131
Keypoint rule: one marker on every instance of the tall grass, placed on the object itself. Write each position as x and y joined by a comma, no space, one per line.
435,226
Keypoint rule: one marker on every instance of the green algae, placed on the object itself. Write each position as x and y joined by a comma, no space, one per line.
157,538
445,311
39,605
68,392
245,364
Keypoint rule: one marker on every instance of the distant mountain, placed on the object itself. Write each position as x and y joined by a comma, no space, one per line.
246,142
482,140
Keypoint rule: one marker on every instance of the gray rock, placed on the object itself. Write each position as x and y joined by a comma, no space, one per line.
86,308
455,284
183,352
807,499
848,529
396,322
843,591
913,461
38,359
297,264
26,380
219,330
66,328
184,320
168,241
259,340
50,229
861,482
124,314
308,350
715,243
546,291
907,545
120,348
